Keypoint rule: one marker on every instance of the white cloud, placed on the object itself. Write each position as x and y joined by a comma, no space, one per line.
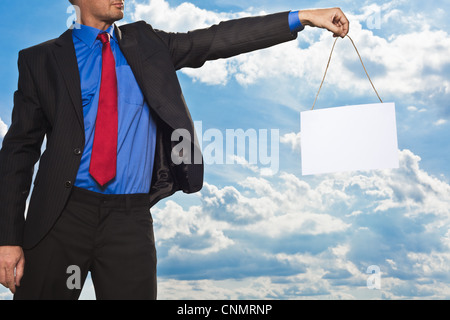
440,122
191,224
212,73
6,295
321,235
407,187
404,64
183,18
415,109
293,140
3,129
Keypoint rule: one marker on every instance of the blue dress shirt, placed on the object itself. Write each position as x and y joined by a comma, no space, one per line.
294,22
137,129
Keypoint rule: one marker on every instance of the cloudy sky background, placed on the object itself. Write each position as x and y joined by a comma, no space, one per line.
250,234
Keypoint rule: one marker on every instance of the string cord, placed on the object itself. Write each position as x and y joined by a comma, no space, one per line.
328,65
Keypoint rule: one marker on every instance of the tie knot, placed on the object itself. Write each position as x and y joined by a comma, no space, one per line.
103,37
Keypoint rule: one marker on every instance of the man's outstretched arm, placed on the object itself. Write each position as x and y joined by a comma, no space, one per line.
233,37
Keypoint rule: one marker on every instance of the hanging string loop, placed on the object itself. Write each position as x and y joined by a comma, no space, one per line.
328,65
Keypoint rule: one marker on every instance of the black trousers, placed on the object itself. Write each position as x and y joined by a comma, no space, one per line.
110,236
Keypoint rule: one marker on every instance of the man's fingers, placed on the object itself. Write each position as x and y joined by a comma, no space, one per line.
8,279
334,29
3,276
333,20
19,271
12,264
342,23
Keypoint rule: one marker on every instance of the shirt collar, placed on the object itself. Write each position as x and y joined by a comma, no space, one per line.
89,34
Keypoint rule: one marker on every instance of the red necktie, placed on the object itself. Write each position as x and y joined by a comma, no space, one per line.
104,150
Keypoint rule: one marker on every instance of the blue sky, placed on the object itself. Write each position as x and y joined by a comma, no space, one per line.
252,235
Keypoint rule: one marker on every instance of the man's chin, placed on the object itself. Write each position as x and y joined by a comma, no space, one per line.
117,17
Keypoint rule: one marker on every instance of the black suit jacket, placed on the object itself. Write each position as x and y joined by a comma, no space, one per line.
48,104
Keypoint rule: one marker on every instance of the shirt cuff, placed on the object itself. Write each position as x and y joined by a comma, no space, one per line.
294,22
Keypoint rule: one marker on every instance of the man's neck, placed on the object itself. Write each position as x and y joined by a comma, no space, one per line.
101,25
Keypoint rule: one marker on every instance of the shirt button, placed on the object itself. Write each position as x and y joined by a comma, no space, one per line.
77,151
68,184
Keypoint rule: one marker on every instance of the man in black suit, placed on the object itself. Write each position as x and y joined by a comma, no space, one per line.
98,220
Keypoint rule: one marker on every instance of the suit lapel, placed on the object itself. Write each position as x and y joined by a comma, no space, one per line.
150,75
67,61
130,49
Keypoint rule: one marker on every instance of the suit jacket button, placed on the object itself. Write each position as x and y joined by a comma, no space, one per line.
68,184
77,151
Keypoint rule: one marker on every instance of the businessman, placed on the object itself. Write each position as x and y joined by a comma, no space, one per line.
107,99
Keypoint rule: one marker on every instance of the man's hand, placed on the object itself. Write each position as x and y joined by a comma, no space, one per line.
333,20
11,259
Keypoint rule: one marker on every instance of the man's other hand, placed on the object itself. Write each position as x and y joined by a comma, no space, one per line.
333,20
12,263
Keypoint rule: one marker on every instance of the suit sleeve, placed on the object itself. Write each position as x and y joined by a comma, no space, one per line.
19,153
227,39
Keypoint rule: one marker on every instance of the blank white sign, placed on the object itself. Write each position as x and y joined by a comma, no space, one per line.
360,137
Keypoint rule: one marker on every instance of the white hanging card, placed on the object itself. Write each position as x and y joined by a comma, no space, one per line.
359,137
